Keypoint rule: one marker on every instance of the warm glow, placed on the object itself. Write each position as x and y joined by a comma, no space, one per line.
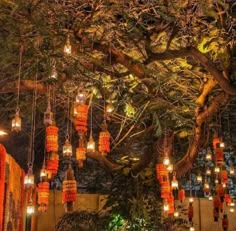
30,209
166,207
67,46
176,214
166,161
216,181
43,172
232,204
208,156
2,133
53,74
206,186
210,198
81,96
192,229
174,183
224,185
208,172
231,170
222,144
191,199
67,149
16,123
29,180
217,169
231,210
199,178
91,145
109,108
170,168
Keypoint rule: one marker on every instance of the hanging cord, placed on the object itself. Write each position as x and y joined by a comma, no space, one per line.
91,121
19,77
68,119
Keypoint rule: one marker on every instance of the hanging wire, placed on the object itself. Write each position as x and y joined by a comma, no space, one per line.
68,119
91,120
19,77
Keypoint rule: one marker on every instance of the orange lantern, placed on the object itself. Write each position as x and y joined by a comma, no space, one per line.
104,140
81,154
224,176
216,142
165,189
161,172
81,117
216,201
228,199
181,195
219,158
52,139
43,195
220,190
170,201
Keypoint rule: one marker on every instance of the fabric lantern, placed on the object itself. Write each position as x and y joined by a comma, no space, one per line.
170,201
224,176
216,141
161,173
104,140
81,118
69,190
165,189
43,195
219,158
52,139
181,195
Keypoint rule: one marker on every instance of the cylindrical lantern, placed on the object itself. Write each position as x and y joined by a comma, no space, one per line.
181,195
43,196
165,189
69,190
67,149
52,139
104,140
81,118
16,122
224,176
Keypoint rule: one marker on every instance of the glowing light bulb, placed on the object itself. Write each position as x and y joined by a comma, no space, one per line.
210,198
30,209
67,148
231,210
67,46
43,173
224,185
192,229
109,108
191,199
199,178
16,122
166,161
217,169
216,181
232,204
176,214
206,186
208,172
91,144
53,74
170,168
222,144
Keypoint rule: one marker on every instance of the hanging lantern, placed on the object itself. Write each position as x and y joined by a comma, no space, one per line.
170,168
161,173
16,122
43,196
219,158
206,188
29,179
109,108
81,95
43,174
181,195
171,204
174,183
224,176
165,189
69,190
52,139
217,169
30,209
228,199
231,170
48,116
53,75
166,160
67,148
67,46
104,140
199,178
220,190
216,141
91,144
166,206
81,118
176,214
208,172
208,155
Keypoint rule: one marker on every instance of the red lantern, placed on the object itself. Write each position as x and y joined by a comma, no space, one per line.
52,139
224,176
161,172
219,158
104,142
165,189
52,164
216,142
170,201
228,199
81,118
216,201
181,195
43,195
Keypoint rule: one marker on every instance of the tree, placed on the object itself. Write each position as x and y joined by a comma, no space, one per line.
176,58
